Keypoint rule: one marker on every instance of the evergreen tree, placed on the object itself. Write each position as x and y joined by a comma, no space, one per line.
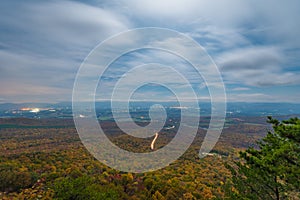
272,171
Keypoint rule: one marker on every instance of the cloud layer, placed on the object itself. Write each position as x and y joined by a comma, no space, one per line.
255,44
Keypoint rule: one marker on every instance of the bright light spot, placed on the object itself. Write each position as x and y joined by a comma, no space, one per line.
35,110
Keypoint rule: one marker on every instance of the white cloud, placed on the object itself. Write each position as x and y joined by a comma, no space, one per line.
240,89
182,12
250,97
262,97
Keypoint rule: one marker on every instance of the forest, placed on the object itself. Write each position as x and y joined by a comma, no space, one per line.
45,159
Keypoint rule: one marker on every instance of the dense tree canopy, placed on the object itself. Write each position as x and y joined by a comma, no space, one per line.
51,163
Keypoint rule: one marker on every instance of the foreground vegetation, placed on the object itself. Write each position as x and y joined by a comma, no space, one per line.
273,170
51,163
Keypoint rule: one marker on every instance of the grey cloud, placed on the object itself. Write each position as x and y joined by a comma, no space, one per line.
44,43
256,66
64,29
252,58
66,20
230,32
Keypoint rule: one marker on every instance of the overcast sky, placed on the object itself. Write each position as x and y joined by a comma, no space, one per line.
255,44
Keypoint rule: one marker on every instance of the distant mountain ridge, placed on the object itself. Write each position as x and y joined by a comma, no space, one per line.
233,108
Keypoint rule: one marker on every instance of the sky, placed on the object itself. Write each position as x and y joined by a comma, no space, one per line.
254,44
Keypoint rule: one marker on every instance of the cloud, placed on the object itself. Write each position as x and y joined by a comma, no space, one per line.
163,72
252,58
186,11
217,39
32,93
44,43
250,97
263,97
240,89
256,66
255,43
68,22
